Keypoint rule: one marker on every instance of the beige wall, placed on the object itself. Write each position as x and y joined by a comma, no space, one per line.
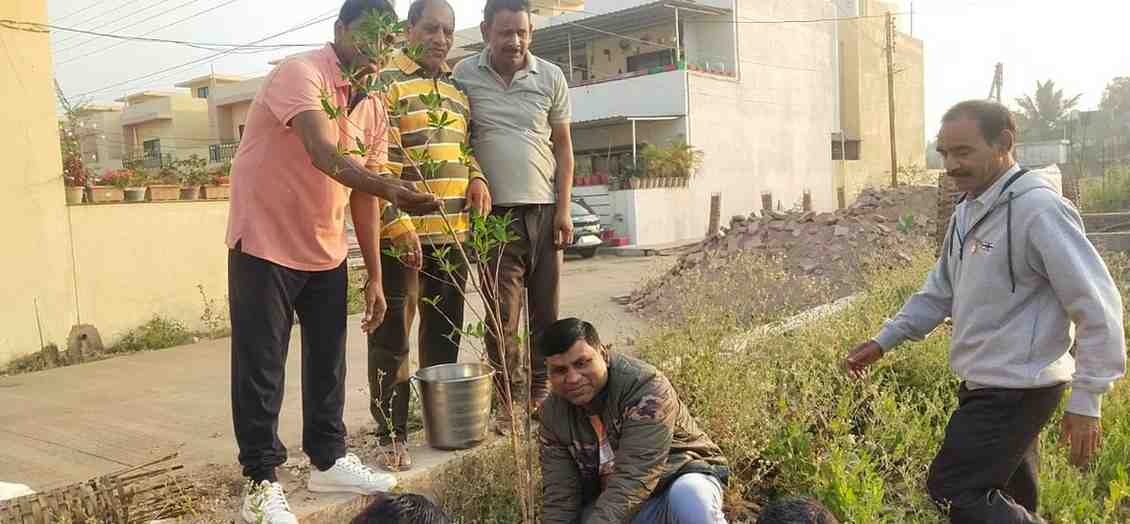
134,261
864,109
138,134
228,106
36,263
187,133
102,133
238,113
191,128
771,130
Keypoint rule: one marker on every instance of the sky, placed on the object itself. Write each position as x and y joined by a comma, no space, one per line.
1069,42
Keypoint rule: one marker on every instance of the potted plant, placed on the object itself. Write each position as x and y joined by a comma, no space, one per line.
75,177
219,187
110,186
633,175
164,185
193,173
582,173
684,160
135,186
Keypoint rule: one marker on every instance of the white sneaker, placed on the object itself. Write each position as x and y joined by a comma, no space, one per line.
266,503
349,475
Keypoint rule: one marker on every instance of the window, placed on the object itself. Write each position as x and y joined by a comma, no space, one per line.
201,92
852,147
152,148
241,131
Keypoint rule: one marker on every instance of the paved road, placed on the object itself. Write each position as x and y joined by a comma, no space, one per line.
71,424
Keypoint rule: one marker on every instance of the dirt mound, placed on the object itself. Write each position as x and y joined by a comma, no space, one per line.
829,249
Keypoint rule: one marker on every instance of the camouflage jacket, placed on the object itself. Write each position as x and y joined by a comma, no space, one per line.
652,436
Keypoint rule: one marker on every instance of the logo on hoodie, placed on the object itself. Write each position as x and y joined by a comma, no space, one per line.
984,246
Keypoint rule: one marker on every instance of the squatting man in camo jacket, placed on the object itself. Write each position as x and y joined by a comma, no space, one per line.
617,444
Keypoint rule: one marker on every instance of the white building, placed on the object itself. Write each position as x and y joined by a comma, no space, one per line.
759,99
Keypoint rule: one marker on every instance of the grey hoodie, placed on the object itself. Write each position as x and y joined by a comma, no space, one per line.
1016,271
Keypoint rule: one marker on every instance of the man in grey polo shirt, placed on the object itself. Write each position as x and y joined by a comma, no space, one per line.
520,134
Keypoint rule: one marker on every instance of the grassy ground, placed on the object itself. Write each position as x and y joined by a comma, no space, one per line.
1108,193
791,422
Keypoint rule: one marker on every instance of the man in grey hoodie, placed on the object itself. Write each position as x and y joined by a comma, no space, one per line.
1016,270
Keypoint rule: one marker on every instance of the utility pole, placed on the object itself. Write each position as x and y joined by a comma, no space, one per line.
891,96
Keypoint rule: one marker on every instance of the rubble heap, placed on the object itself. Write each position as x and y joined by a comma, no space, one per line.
887,224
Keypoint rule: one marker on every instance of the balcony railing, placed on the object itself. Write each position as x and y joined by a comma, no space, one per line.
224,152
139,158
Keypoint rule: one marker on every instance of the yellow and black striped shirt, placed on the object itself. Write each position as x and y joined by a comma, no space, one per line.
410,134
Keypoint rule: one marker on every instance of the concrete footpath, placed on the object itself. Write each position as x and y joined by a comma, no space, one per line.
71,424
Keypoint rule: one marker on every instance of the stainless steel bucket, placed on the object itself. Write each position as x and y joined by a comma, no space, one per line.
456,402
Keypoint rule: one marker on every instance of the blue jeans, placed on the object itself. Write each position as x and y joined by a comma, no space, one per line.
693,498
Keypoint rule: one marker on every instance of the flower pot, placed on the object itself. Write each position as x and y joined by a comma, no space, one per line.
135,194
102,194
221,192
163,192
74,195
190,193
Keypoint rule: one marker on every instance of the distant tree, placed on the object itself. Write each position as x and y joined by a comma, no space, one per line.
1044,116
1116,96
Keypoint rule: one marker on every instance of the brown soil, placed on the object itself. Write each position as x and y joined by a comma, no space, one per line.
798,260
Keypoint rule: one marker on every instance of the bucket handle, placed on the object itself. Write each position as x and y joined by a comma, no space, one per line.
416,389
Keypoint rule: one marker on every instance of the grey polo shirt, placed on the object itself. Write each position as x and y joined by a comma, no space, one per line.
510,126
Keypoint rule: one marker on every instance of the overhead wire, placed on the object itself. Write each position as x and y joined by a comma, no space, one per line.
81,10
117,19
16,25
166,26
178,67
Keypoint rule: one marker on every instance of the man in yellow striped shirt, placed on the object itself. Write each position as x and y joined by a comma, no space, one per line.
417,279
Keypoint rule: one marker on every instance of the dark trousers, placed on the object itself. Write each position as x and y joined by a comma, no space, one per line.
530,263
263,298
988,467
438,296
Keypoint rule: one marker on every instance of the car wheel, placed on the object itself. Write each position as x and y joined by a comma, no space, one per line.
587,252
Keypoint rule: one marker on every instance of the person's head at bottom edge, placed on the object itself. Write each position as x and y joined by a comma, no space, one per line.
796,510
407,508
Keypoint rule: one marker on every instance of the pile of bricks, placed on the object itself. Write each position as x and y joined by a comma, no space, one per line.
947,197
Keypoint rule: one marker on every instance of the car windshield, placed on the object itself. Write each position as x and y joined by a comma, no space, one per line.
578,209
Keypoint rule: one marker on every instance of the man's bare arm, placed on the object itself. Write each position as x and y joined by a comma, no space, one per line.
319,137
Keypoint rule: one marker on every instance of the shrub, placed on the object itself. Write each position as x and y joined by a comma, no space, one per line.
158,333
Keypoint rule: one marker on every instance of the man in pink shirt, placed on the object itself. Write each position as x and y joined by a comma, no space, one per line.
287,250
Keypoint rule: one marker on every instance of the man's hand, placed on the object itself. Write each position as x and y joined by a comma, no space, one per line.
375,306
862,356
411,253
406,197
563,227
1084,435
478,197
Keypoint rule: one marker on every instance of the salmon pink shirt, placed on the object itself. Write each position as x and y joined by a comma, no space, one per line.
283,209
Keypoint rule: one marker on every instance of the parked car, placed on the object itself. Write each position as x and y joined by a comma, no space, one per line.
586,230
